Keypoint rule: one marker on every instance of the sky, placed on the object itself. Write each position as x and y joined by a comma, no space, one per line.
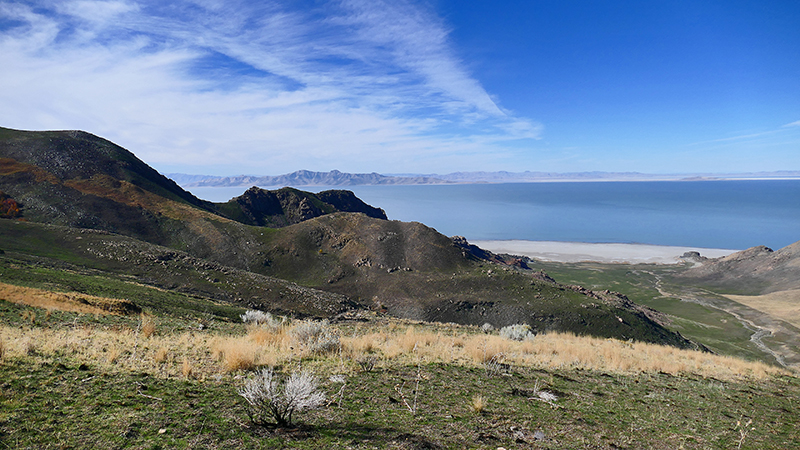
229,87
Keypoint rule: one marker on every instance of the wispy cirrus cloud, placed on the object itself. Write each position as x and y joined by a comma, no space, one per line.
262,87
753,136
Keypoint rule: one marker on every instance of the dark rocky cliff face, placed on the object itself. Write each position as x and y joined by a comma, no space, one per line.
287,206
346,201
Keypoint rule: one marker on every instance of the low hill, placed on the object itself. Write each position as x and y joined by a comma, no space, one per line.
283,250
757,270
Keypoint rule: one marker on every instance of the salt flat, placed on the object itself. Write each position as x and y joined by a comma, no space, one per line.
604,253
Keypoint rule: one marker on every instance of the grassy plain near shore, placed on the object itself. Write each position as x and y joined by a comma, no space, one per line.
78,380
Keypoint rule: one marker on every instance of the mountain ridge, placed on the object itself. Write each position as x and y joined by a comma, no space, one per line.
405,269
337,178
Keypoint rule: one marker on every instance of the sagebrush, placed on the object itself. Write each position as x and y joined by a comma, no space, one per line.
267,398
517,332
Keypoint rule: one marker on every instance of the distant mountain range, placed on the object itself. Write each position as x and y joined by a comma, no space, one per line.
301,178
337,178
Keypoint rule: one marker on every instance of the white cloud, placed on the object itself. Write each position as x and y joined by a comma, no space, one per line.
264,88
96,12
793,124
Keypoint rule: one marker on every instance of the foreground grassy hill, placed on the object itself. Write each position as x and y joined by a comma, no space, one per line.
85,380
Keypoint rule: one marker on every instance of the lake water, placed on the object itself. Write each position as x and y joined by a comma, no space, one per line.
709,214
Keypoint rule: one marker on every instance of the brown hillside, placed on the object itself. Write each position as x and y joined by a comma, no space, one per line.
757,270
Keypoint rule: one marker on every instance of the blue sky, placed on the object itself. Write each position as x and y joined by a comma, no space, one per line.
224,87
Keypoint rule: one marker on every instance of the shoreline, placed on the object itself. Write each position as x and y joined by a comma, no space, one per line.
613,253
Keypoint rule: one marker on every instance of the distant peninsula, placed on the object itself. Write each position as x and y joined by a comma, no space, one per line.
337,178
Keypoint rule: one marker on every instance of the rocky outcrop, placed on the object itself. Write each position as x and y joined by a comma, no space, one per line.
288,206
346,201
480,254
757,270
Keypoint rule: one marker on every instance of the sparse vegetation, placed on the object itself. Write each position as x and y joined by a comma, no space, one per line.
147,325
367,362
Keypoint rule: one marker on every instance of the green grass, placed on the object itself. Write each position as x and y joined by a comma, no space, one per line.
27,273
61,404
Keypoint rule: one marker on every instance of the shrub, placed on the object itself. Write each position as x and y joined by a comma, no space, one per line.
256,317
495,365
269,399
367,362
187,369
317,337
487,327
161,355
518,332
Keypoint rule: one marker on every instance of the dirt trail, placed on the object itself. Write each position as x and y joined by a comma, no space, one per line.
784,339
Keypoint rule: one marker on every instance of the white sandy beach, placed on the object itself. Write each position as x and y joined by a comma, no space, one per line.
605,253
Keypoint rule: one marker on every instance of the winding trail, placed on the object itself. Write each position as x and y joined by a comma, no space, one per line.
761,325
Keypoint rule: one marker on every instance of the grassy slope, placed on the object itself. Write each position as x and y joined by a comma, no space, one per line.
57,400
412,271
112,265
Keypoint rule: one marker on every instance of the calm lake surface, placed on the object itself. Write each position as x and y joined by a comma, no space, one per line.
709,214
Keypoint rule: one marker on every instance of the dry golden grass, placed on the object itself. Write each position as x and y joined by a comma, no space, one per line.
483,349
147,325
29,316
112,355
111,350
268,336
238,353
73,302
478,404
187,369
201,354
782,305
161,355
